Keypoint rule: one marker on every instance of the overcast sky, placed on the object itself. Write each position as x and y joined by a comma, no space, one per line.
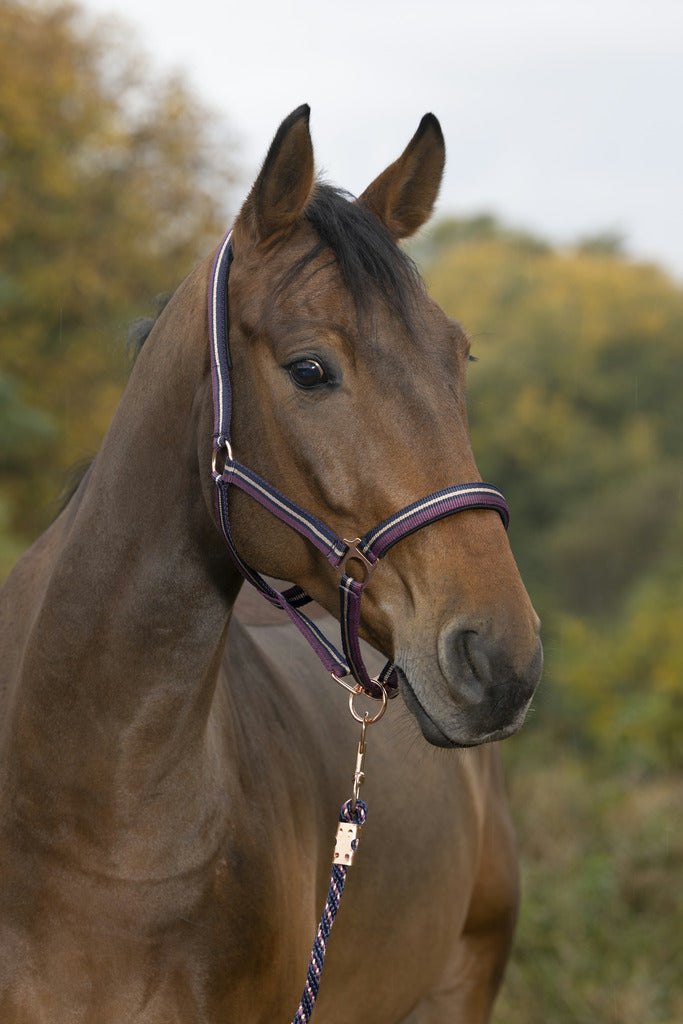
562,117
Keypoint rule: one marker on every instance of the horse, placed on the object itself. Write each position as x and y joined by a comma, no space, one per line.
171,772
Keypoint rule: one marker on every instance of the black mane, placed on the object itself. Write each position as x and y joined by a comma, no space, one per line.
369,260
140,329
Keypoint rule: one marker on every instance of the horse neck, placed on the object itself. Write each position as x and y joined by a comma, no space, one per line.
119,668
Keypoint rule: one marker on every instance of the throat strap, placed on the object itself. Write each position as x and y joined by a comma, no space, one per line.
365,551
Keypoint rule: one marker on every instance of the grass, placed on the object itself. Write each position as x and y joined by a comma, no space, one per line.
599,936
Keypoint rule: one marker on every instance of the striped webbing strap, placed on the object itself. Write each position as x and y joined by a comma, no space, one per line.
366,551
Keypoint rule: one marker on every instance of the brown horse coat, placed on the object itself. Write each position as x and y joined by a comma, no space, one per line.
169,787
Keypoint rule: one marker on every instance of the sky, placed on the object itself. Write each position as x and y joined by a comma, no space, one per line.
563,118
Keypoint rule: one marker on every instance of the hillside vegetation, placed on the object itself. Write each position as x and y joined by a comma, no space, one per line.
575,412
112,185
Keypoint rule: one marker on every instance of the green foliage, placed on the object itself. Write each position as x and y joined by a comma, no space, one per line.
452,232
602,912
625,679
105,184
575,413
606,243
21,427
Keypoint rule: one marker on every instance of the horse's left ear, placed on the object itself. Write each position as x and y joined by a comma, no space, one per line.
284,185
403,196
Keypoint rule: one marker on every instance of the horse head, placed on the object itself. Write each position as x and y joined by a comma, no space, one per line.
349,397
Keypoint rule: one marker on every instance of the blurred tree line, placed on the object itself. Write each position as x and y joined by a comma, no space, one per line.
112,183
575,412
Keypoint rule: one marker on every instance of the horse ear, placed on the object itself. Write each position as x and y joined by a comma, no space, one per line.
284,184
403,196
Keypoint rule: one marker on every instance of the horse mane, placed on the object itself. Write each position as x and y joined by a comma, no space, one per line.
369,260
137,335
140,329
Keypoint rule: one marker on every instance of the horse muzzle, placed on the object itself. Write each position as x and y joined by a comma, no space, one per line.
477,689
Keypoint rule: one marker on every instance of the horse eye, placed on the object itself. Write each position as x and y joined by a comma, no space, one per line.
307,373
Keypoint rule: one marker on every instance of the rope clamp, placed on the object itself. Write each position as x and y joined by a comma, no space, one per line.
347,842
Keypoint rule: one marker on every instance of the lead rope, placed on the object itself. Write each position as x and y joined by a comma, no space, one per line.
351,819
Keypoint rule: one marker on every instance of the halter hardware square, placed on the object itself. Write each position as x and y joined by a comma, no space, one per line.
354,554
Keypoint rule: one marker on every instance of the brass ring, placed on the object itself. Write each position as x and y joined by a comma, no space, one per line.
227,448
366,719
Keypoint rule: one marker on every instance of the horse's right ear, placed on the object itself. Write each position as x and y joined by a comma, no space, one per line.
284,184
403,196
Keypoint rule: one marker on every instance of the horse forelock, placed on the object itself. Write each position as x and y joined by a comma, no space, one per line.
370,262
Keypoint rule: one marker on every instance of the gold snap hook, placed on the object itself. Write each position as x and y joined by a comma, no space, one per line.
365,720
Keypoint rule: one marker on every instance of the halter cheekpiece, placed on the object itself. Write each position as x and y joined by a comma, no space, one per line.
365,551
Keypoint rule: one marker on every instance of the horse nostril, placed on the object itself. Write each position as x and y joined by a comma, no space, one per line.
474,656
479,667
463,663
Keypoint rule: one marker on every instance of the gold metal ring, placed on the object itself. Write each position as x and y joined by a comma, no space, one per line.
227,448
366,719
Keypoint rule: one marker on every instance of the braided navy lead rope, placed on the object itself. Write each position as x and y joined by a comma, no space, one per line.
334,895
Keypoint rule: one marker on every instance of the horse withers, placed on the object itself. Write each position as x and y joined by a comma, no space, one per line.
170,775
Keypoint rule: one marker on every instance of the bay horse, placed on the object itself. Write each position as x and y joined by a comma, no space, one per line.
171,773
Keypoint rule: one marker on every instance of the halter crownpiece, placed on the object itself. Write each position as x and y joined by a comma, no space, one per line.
364,551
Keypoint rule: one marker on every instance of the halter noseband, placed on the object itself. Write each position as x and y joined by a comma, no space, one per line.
366,550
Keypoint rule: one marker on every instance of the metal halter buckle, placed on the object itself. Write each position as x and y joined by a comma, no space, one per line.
354,554
227,448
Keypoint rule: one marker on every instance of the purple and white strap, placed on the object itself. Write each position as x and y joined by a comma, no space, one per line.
368,550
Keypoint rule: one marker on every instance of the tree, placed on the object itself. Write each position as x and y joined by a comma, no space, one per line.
575,413
574,405
112,185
